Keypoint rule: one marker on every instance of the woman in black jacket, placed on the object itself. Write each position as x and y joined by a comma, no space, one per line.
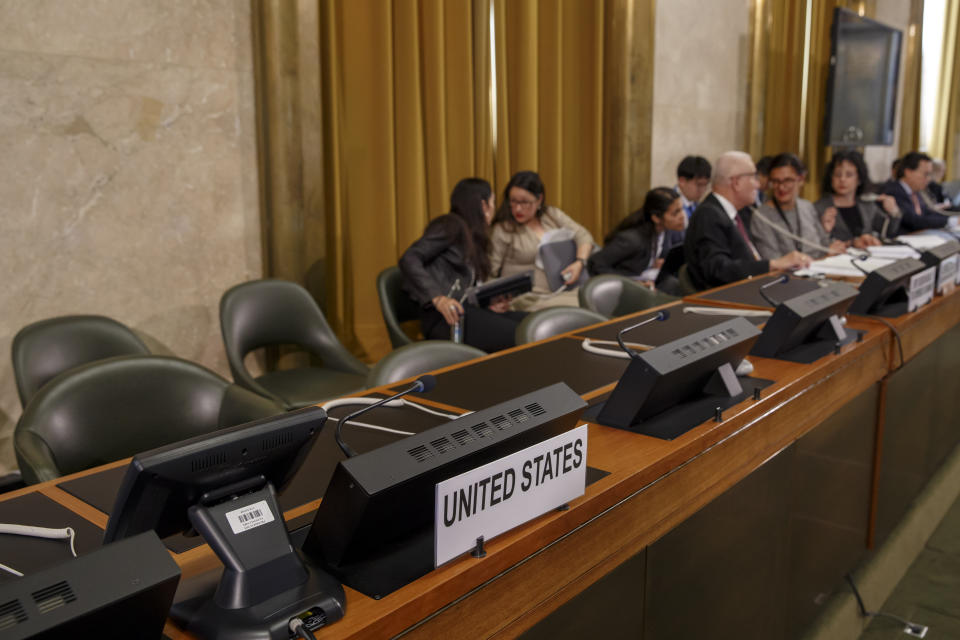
638,244
450,257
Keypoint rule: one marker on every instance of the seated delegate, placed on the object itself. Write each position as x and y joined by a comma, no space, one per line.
845,213
521,222
912,176
793,215
717,248
450,257
637,246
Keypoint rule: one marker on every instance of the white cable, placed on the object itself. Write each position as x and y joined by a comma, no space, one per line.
724,311
38,532
588,346
11,570
399,402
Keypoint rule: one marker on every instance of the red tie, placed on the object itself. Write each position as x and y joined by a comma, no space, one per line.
746,237
916,203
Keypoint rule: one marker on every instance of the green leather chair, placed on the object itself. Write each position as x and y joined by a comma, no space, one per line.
687,287
45,349
110,409
420,357
612,296
551,321
397,307
265,313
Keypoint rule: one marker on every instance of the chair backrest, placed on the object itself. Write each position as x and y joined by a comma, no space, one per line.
687,287
395,305
264,313
111,409
45,349
612,296
551,321
419,357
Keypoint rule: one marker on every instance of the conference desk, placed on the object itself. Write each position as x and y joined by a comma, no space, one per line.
737,528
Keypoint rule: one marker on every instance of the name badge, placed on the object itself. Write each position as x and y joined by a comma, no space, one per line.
505,493
921,288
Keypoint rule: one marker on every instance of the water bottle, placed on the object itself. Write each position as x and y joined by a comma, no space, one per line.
456,330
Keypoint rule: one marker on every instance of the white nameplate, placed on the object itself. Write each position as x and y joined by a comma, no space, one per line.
947,274
505,493
921,288
250,517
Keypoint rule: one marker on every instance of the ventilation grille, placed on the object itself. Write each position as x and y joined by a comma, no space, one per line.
276,441
53,597
535,409
11,614
442,445
463,437
420,453
206,462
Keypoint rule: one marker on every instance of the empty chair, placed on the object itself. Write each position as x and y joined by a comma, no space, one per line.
612,296
397,307
265,313
419,357
43,350
114,408
545,323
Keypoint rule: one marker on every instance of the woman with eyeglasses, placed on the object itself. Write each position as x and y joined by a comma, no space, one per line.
844,212
787,222
520,224
450,257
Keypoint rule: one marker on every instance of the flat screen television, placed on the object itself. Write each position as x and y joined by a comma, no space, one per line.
222,485
862,82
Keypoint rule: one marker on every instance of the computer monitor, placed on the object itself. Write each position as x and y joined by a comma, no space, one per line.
223,486
696,370
884,290
809,326
374,527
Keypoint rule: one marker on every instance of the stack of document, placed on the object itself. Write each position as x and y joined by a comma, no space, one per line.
893,251
922,241
842,265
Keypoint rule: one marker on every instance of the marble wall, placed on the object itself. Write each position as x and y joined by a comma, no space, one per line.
129,175
701,63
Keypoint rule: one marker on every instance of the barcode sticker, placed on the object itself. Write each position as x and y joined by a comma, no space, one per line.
250,517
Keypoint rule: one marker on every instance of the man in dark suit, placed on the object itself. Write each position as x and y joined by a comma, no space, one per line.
913,175
718,248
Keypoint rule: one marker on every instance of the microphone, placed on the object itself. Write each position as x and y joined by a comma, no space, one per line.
781,280
423,384
860,258
661,316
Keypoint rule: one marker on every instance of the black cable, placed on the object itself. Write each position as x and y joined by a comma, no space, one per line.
300,630
912,626
893,329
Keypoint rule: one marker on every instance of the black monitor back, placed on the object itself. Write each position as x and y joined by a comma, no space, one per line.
883,291
933,256
374,527
799,319
124,588
677,371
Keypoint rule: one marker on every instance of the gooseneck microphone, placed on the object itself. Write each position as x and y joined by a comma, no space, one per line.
781,280
854,260
423,384
661,316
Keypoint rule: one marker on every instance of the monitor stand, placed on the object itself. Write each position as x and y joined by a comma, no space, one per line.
265,581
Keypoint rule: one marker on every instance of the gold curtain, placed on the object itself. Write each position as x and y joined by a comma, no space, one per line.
404,118
790,66
910,108
946,129
362,139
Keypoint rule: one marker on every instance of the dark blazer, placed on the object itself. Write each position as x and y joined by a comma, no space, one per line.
628,252
911,221
434,262
716,252
872,218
